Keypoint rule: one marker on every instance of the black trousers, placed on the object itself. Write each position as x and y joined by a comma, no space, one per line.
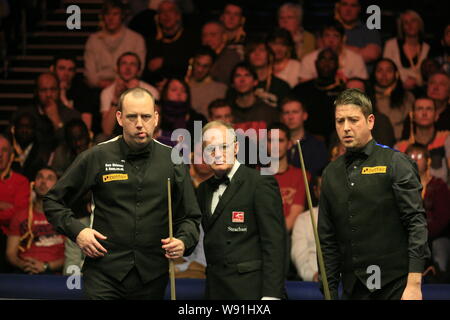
100,286
390,291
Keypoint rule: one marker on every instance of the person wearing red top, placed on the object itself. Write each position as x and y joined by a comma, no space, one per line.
290,178
14,195
436,201
33,245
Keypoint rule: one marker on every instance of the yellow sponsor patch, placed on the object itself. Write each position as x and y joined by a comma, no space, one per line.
115,177
374,170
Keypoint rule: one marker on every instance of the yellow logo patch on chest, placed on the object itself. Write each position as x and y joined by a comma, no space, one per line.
374,170
115,177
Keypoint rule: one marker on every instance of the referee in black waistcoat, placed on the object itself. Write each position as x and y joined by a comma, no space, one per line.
127,246
245,235
372,224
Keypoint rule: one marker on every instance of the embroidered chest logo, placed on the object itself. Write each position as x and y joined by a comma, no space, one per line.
114,177
237,216
374,170
114,167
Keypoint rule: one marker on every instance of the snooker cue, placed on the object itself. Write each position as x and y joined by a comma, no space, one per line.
171,263
326,290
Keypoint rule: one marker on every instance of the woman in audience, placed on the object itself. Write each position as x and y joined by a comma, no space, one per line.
408,49
176,110
391,99
285,66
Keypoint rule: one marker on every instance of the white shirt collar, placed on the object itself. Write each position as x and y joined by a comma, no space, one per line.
233,169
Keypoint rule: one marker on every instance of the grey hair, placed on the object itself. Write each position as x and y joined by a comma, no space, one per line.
295,7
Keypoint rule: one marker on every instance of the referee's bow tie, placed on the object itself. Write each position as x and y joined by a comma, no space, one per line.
216,182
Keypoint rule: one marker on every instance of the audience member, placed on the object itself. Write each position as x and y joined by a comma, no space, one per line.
358,37
30,154
270,88
319,94
408,49
172,46
284,67
49,112
203,88
14,195
249,111
425,133
128,66
77,140
303,248
220,110
350,65
294,115
438,89
436,202
442,52
105,46
176,111
33,246
233,20
73,91
290,17
214,36
290,179
391,99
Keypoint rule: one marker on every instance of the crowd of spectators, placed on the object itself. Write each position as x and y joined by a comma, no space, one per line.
284,80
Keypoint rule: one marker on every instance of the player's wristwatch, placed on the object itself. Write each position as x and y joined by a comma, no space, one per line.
46,267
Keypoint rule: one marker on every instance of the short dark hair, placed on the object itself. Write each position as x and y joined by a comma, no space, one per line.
282,127
423,97
111,4
291,98
244,65
64,56
205,51
47,168
334,25
357,98
129,53
218,103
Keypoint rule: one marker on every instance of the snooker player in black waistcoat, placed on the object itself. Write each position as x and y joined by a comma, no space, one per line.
127,246
245,235
370,212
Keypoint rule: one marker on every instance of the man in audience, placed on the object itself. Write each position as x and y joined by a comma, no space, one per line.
30,154
105,46
319,94
172,46
290,179
350,65
49,112
248,110
233,20
203,88
128,66
73,91
14,196
213,36
294,115
34,247
358,37
436,202
425,133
